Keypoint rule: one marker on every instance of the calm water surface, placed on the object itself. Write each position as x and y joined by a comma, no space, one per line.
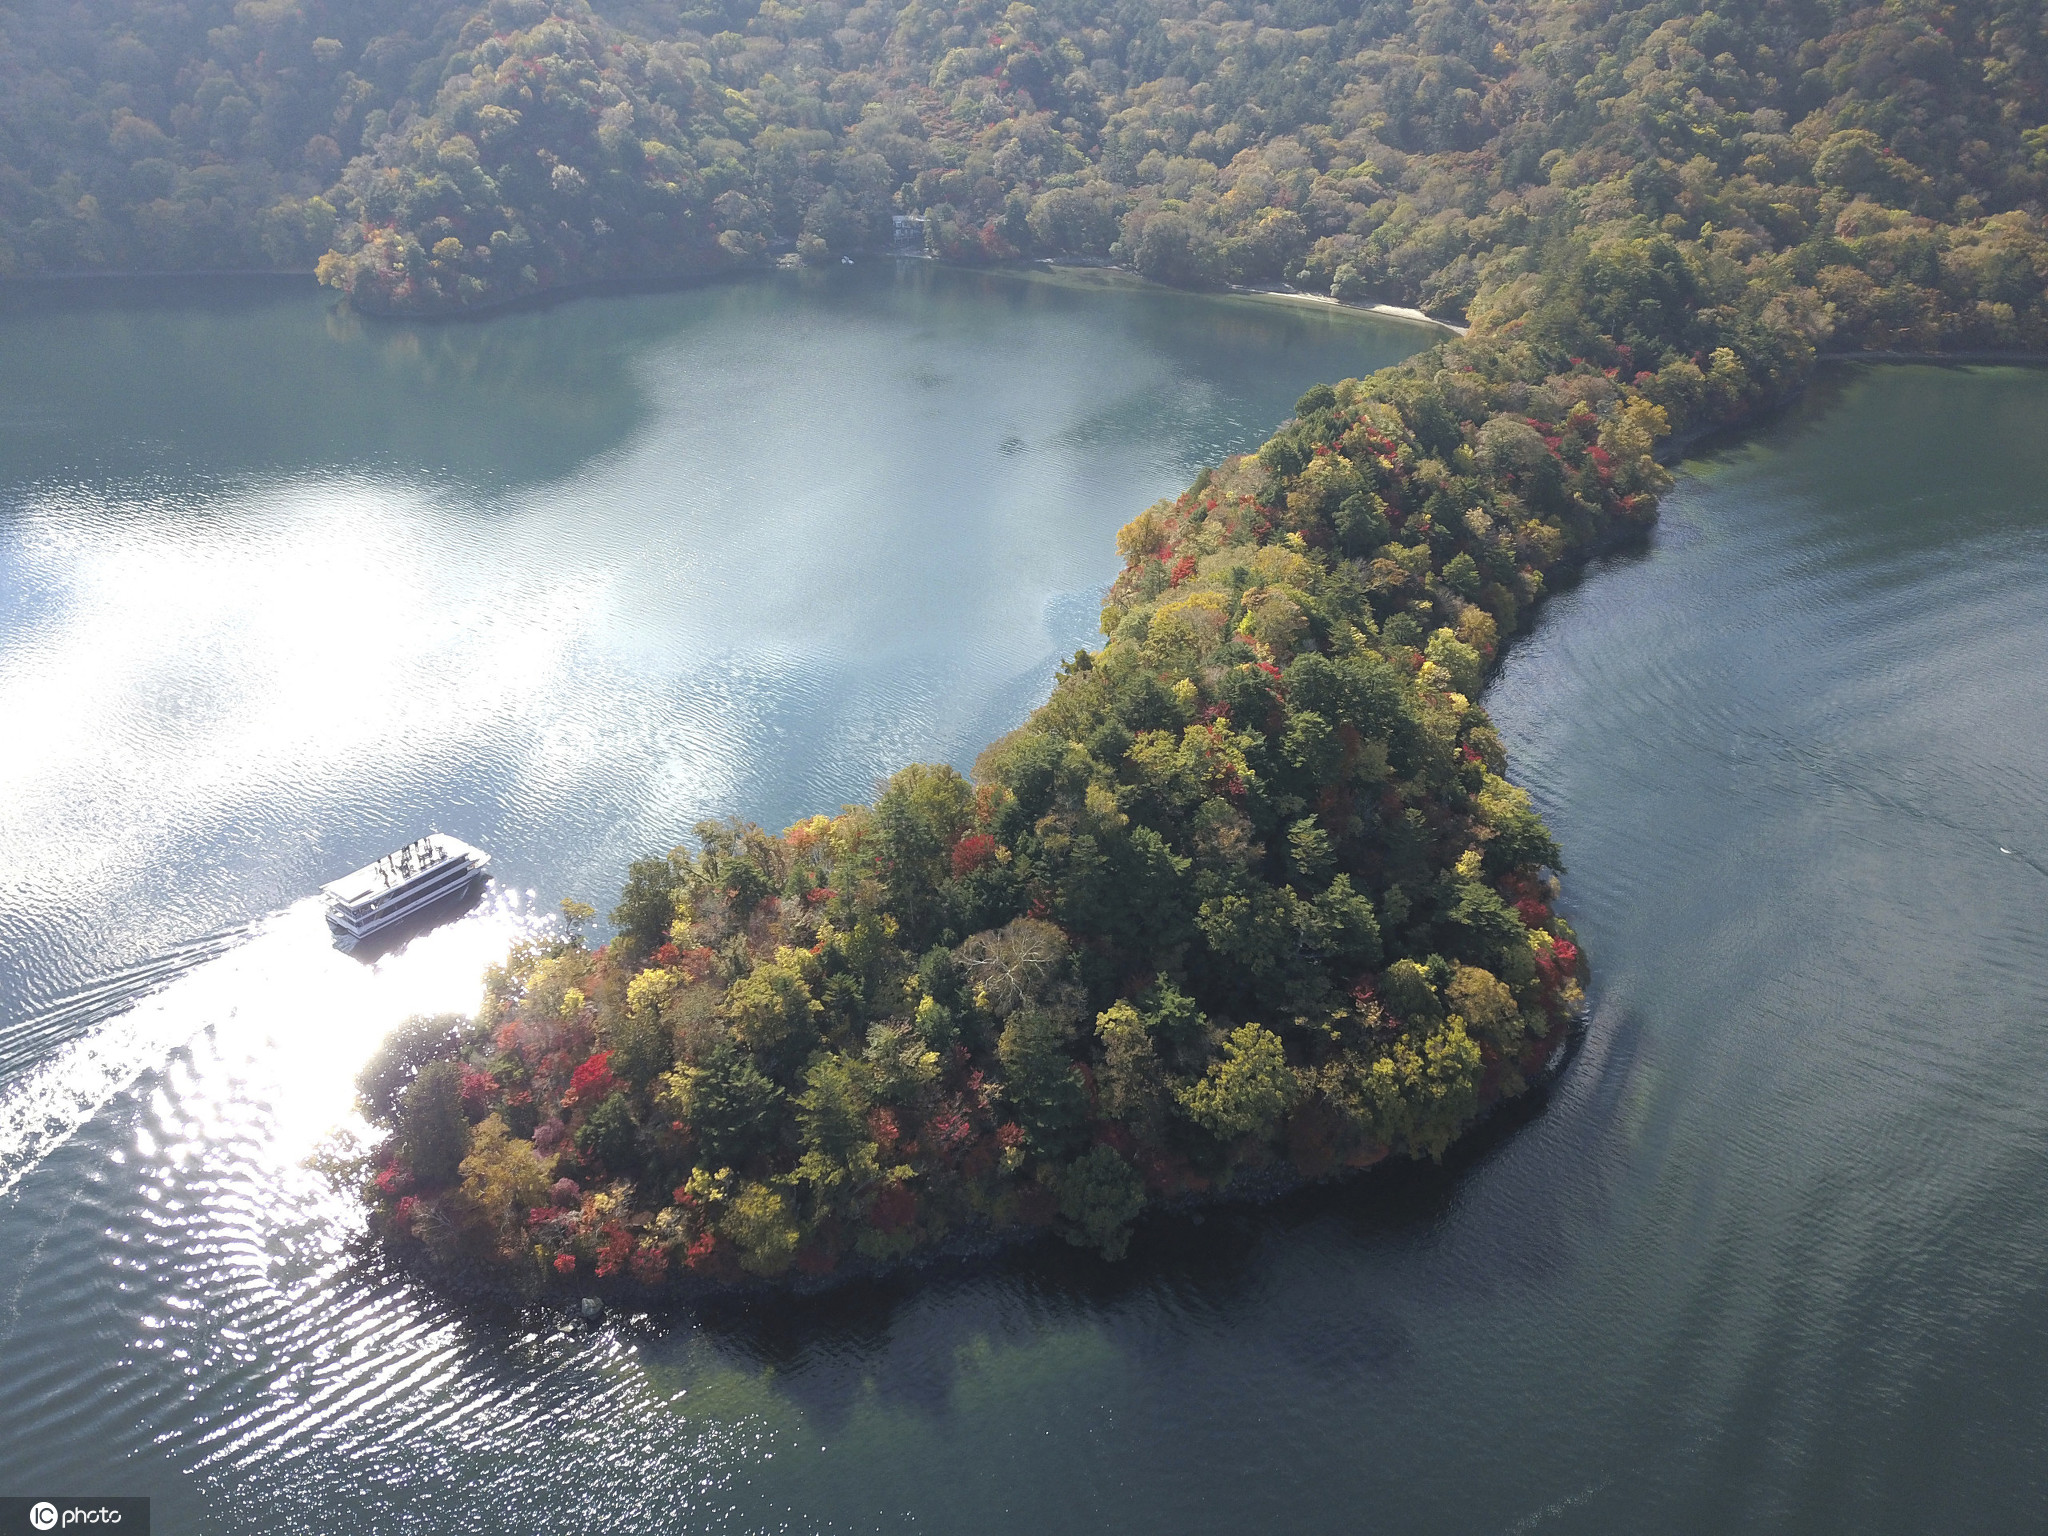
272,591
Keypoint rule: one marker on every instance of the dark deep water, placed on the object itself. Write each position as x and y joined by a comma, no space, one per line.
275,591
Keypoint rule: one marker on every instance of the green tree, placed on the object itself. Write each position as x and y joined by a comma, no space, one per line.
647,904
1246,1093
432,1128
1421,1092
1131,1084
1345,927
501,1181
641,1041
840,1160
1072,221
1042,1080
1408,993
918,818
763,1227
1100,1195
733,1108
1172,248
394,1064
771,1009
610,1134
1460,665
1486,1005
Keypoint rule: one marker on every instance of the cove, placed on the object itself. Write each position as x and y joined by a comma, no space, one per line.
570,579
1769,1255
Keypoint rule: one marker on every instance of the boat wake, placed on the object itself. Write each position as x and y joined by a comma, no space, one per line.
33,1039
273,988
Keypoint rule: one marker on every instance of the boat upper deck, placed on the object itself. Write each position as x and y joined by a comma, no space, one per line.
436,854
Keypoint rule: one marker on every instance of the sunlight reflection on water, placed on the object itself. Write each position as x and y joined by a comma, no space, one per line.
287,1017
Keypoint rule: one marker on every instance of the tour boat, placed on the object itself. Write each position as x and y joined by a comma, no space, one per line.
401,885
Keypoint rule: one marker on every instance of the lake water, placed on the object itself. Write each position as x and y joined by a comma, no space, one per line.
275,590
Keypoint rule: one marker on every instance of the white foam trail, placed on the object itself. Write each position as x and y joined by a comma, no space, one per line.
285,993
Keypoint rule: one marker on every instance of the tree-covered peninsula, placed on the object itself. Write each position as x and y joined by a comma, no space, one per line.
1250,899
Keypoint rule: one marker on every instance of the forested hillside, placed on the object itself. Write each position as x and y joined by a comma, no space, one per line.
1876,172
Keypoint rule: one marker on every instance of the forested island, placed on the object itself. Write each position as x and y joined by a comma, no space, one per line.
1250,900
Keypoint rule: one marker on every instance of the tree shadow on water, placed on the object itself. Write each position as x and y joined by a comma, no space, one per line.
1323,1279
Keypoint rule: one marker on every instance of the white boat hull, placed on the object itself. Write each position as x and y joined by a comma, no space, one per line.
402,885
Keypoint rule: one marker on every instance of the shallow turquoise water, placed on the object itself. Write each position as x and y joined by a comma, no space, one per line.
1770,1256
